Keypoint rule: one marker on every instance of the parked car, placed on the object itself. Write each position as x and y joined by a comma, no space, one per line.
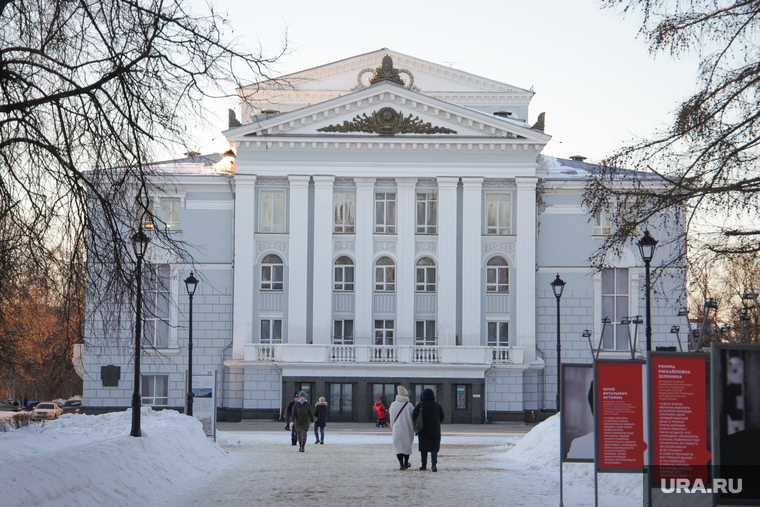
46,410
7,407
72,406
30,405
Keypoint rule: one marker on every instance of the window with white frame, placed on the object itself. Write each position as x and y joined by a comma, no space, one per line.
344,274
427,213
385,212
602,223
497,275
385,275
155,390
272,208
498,213
384,332
343,332
344,203
156,303
271,331
271,273
146,216
615,307
170,213
425,275
498,334
425,333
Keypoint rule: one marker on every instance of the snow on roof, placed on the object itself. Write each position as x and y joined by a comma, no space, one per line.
193,163
549,167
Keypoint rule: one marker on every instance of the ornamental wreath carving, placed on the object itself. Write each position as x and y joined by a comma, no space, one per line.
387,122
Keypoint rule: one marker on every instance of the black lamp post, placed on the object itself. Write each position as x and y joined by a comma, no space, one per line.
139,245
647,245
190,283
558,285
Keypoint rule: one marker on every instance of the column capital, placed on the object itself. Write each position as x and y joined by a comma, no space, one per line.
245,180
406,182
444,182
298,180
526,182
472,182
364,182
324,181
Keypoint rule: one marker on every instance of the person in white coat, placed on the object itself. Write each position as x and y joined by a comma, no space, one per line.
402,427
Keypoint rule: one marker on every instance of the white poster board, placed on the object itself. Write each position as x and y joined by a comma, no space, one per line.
204,401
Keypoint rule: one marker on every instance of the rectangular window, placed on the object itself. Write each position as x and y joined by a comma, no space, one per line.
344,211
427,213
170,213
498,334
425,276
272,211
384,393
385,278
498,213
156,301
425,333
384,332
602,223
385,212
461,401
343,332
155,390
271,331
615,307
147,218
344,277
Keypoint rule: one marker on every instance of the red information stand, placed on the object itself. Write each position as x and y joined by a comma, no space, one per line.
620,406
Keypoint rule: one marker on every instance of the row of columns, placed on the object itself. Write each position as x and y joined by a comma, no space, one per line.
322,248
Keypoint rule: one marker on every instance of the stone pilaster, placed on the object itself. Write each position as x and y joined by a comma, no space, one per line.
323,248
525,268
244,264
364,271
405,274
472,286
298,258
447,261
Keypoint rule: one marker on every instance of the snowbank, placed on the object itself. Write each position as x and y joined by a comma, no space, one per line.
539,450
88,460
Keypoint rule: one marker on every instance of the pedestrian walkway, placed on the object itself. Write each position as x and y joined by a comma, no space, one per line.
506,428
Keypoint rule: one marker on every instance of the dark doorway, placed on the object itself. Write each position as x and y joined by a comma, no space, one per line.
418,388
341,404
308,388
385,393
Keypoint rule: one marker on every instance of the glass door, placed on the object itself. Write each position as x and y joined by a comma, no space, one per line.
341,404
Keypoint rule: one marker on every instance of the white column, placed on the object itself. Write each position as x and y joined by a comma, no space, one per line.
244,263
406,225
298,257
364,250
472,230
323,248
447,261
525,253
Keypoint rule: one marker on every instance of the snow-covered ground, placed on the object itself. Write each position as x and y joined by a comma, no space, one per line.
83,461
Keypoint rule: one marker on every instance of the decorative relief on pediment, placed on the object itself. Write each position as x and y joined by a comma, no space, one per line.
344,245
492,183
385,182
272,182
425,246
344,182
276,245
490,247
386,72
389,246
427,182
387,122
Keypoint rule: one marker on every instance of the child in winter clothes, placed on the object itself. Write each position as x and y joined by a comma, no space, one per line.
380,412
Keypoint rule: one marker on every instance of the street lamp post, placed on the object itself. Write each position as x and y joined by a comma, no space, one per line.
647,245
190,283
558,285
139,245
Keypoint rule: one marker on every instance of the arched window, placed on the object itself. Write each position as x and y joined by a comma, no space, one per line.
497,275
385,275
344,274
271,273
425,275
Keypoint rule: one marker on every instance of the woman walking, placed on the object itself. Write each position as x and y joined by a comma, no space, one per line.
288,414
429,439
402,426
320,415
301,416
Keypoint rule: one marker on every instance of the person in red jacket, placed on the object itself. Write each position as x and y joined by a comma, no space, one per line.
380,412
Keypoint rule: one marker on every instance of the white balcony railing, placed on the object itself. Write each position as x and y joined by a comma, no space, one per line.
426,354
265,352
500,355
383,353
341,353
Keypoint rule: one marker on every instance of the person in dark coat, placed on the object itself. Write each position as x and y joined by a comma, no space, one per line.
429,439
302,416
320,419
288,415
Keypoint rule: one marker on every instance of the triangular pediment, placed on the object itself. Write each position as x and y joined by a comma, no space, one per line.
349,114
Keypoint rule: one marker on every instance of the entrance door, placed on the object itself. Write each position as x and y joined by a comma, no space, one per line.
308,388
418,388
341,404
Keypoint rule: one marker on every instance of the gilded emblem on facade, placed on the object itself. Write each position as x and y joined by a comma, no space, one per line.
387,122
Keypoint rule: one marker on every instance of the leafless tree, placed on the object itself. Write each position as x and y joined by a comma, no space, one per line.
90,93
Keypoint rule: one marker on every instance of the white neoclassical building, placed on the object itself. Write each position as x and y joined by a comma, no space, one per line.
382,220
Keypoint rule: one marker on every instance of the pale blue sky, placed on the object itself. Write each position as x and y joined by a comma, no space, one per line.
596,81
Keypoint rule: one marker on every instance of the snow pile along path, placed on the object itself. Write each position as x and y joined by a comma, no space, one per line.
92,461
